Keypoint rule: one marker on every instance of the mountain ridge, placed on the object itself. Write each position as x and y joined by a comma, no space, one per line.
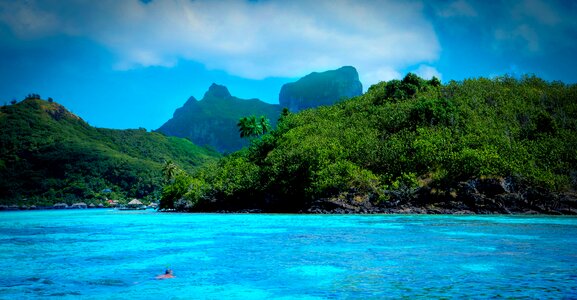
212,120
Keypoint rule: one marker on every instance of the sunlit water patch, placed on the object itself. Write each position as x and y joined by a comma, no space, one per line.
95,254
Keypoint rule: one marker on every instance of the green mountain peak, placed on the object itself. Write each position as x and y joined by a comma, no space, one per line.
217,91
318,89
212,120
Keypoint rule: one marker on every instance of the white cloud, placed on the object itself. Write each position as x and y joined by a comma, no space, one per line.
375,76
427,72
251,39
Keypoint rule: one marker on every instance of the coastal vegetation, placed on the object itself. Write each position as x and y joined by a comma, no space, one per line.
401,139
481,144
50,155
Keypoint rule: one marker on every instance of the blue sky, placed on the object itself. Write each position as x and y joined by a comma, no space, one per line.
131,63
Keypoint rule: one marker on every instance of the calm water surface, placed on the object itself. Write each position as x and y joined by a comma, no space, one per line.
95,254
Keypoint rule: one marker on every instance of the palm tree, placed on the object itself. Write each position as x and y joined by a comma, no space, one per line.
264,125
285,113
244,127
250,127
170,170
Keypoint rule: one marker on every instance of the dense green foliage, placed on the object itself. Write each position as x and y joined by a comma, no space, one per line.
400,135
48,154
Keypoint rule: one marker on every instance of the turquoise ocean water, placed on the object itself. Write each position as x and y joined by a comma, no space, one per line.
107,254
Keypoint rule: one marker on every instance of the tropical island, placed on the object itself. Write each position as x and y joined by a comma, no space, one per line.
501,145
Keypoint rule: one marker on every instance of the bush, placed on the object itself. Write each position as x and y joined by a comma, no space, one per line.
431,112
174,192
341,176
401,189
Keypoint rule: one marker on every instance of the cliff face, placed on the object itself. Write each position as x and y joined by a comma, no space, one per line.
212,120
317,89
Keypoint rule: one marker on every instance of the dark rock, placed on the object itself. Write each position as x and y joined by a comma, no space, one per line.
491,186
251,211
463,212
493,196
568,211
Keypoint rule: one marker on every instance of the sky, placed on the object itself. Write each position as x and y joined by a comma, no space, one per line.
131,63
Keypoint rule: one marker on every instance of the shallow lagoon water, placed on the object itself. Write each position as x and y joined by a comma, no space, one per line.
95,254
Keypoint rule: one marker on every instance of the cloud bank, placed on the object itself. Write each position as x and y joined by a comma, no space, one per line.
250,39
256,39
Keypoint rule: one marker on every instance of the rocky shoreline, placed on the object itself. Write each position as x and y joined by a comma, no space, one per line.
476,196
479,196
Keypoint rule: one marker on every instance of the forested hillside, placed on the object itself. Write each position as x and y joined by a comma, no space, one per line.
48,154
480,145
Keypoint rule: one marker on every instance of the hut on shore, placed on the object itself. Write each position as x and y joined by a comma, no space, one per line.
135,204
80,205
60,205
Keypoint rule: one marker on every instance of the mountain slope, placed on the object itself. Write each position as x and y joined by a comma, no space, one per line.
212,120
48,154
317,89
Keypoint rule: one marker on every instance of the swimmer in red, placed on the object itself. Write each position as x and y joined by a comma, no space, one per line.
167,274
